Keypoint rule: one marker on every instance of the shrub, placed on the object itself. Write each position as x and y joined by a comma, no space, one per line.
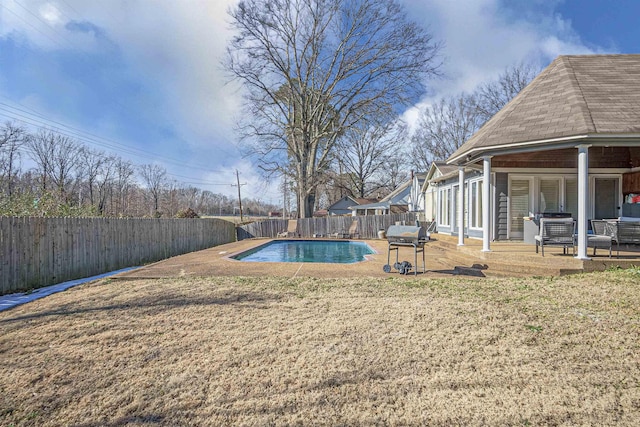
187,213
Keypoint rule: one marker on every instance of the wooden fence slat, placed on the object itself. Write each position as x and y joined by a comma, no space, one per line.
368,226
36,252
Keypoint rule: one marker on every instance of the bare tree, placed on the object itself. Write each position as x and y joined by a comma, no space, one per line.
12,137
442,128
173,192
363,153
57,160
154,178
90,164
313,68
397,172
207,203
492,96
105,181
121,186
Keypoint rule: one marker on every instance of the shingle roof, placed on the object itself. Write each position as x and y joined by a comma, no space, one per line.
364,201
574,96
445,168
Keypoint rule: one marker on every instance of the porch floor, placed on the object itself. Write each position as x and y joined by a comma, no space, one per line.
520,259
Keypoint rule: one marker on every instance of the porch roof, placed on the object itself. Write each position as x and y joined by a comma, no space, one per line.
371,206
594,97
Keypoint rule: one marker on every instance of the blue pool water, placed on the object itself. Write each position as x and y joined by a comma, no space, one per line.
340,252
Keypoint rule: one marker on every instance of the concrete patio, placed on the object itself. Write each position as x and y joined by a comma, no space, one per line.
444,258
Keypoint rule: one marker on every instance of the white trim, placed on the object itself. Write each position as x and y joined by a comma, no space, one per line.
537,191
486,204
448,189
583,199
493,208
531,202
535,188
470,220
512,145
453,208
592,192
563,171
461,191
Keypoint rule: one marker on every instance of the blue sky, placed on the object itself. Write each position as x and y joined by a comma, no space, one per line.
142,78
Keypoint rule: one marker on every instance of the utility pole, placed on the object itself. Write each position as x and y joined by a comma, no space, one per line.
239,197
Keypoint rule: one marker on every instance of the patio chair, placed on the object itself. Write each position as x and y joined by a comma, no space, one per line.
600,238
556,232
350,234
353,230
342,234
291,230
625,232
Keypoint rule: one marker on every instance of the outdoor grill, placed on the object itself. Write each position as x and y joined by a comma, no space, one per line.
406,235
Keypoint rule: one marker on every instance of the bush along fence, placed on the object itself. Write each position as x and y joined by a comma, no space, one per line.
37,252
368,226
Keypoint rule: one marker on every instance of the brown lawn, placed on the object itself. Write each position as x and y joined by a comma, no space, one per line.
272,351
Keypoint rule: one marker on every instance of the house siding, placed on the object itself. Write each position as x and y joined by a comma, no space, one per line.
341,207
502,204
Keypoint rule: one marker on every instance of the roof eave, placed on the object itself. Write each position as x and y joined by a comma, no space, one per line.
474,154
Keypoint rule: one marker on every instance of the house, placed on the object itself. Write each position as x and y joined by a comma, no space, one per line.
343,206
437,170
408,197
568,143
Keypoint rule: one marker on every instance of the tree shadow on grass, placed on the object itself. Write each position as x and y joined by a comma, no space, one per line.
245,299
475,270
129,420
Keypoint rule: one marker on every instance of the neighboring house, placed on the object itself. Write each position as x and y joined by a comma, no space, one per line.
407,197
568,142
343,206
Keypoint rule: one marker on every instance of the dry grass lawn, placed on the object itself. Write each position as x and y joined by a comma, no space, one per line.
253,352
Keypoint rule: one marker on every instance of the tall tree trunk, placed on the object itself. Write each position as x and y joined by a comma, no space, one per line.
306,204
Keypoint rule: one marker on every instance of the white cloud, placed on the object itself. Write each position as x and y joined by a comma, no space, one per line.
177,47
179,44
482,38
50,14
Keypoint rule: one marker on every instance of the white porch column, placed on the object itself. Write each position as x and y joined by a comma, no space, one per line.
583,198
461,206
486,203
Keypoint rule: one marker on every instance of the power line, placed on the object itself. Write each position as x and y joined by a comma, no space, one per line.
92,65
45,23
28,23
33,120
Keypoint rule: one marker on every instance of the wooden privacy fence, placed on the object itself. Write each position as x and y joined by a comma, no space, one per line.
368,226
37,252
268,228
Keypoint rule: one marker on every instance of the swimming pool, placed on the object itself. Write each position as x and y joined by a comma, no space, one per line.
336,252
